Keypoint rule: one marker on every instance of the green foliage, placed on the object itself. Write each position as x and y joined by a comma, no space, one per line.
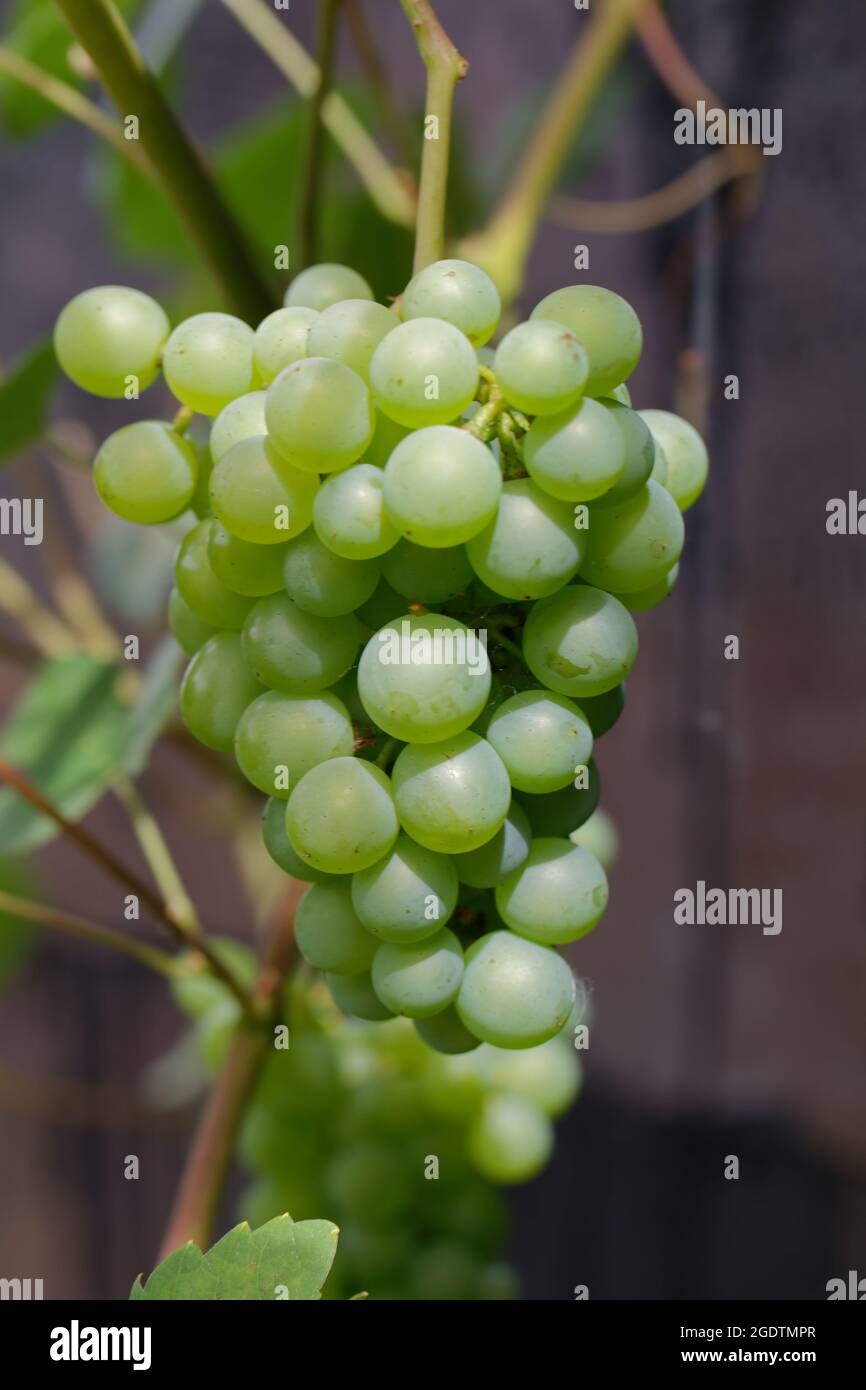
24,398
284,1259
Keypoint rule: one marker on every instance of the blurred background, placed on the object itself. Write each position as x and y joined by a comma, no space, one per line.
706,1041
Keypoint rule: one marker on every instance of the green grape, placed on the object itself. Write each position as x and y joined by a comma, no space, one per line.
341,815
420,979
514,993
323,583
216,689
549,1076
189,631
445,1032
208,361
491,863
620,393
460,293
541,738
257,497
146,472
243,418
451,796
386,436
634,544
355,995
280,737
578,454
384,605
200,501
511,1141
427,576
371,1182
531,547
639,600
444,1272
686,453
602,711
424,678
252,570
279,846
541,367
640,454
329,935
297,652
556,896
660,464
424,373
406,896
197,990
281,339
210,600
607,326
319,416
598,835
580,641
559,813
373,1255
349,514
442,486
350,332
469,1209
109,334
346,689
320,286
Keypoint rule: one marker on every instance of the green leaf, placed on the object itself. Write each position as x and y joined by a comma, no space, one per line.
153,706
283,1259
66,733
24,397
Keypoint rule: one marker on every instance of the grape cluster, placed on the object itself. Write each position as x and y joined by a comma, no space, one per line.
406,592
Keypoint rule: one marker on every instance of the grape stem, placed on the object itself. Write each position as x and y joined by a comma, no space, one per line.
91,932
311,182
182,420
445,67
159,858
387,753
105,37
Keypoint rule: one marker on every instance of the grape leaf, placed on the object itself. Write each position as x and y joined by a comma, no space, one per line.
24,397
284,1259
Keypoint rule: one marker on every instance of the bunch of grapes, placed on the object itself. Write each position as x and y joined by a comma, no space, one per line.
406,592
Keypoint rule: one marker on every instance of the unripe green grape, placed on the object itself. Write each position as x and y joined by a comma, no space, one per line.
607,326
577,454
634,544
556,896
243,418
559,813
620,393
457,291
290,732
323,583
491,863
257,497
406,896
297,652
541,738
251,570
640,600
386,436
108,334
442,486
349,514
686,453
531,548
541,367
281,339
660,466
217,687
329,935
373,1255
188,630
350,332
200,501
420,979
640,454
355,995
444,1272
146,472
280,848
424,678
598,835
445,1032
197,990
424,373
580,641
427,576
511,1141
319,415
549,1075
514,993
451,796
341,815
603,711
199,587
208,361
322,285
382,608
